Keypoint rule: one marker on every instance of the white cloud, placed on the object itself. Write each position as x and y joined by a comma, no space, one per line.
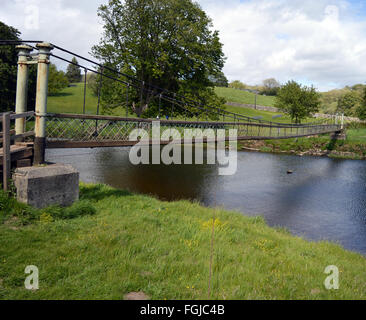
320,42
73,25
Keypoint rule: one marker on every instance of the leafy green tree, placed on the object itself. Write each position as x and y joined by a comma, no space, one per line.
92,83
73,72
8,68
298,101
237,84
361,109
270,87
57,80
8,72
166,44
220,80
349,103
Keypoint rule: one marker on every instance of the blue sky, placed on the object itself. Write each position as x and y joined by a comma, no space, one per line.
320,42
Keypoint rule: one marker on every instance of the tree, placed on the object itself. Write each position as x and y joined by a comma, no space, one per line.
57,80
298,101
237,84
166,44
73,72
219,80
361,109
271,87
8,68
8,72
349,103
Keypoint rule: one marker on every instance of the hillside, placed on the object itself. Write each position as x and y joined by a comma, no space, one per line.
330,99
71,99
240,96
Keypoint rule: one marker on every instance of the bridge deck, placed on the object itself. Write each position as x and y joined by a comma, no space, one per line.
87,131
18,152
58,144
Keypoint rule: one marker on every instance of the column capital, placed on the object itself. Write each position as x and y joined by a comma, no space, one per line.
24,50
44,47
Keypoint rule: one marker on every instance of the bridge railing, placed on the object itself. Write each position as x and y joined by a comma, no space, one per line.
10,137
69,130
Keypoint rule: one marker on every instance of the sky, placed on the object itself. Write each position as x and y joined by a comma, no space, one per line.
314,42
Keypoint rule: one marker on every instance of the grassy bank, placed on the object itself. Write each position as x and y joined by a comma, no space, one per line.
354,147
137,243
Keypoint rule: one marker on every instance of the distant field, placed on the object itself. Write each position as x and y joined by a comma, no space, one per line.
266,115
71,100
239,96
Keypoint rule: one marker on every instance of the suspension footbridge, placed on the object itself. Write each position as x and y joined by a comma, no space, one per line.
36,130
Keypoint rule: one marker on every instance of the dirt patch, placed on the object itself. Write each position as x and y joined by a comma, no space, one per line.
136,296
315,291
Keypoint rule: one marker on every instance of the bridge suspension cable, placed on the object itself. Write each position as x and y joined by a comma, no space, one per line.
174,98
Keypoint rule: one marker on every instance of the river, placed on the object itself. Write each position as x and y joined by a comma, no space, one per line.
324,199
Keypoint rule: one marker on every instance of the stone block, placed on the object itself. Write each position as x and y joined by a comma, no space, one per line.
42,186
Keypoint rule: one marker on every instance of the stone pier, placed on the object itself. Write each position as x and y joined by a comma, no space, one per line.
43,186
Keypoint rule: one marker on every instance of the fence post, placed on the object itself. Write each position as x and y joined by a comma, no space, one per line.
41,102
342,121
6,151
22,86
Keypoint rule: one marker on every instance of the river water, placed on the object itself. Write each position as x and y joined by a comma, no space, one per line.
324,199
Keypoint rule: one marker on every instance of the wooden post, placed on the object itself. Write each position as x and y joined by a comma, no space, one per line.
255,101
6,151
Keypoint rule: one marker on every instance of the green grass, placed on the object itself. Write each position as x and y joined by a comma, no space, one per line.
137,243
239,96
71,100
356,135
266,115
244,97
354,147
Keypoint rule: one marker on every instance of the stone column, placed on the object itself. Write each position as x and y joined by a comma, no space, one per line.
41,102
22,86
